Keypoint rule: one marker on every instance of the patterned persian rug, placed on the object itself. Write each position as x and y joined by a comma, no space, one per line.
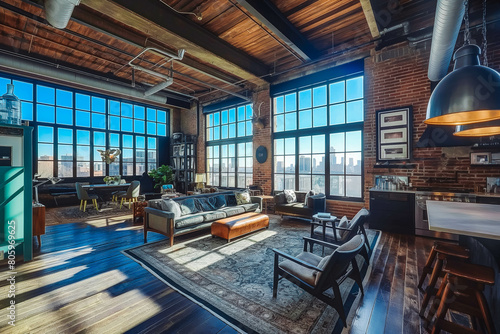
234,280
73,214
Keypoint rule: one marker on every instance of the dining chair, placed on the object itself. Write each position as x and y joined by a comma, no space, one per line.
83,196
131,194
316,274
116,194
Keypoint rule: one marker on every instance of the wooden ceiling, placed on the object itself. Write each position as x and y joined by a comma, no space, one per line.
236,47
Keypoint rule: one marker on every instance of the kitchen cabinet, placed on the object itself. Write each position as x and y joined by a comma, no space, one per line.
392,211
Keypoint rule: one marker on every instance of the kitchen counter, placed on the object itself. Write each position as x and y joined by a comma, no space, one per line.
457,191
472,219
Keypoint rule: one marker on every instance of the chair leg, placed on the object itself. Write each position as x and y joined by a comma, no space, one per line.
84,205
337,304
357,276
129,203
428,267
121,203
443,308
432,283
81,204
485,312
95,204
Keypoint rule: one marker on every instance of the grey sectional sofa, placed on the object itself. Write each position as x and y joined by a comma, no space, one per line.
196,212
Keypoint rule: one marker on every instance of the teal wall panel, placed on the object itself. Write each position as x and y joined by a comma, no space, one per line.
12,204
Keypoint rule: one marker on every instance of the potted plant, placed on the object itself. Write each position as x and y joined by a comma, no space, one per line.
162,175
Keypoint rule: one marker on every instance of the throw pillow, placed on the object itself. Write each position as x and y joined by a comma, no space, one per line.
309,193
188,206
243,197
172,206
231,200
290,196
344,224
218,201
204,204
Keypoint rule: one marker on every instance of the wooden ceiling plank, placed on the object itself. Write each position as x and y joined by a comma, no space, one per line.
155,20
267,13
370,17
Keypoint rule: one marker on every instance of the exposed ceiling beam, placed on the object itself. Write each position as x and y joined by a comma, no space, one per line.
164,25
90,20
370,17
267,13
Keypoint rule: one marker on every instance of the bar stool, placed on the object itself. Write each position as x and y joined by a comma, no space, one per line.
442,251
462,290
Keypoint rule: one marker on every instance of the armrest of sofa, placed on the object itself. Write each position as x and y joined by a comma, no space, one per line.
258,200
162,221
279,199
317,203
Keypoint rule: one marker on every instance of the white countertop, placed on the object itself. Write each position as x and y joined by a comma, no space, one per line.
473,219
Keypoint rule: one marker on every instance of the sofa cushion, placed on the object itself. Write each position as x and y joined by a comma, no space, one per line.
188,206
188,220
172,206
280,199
242,197
213,215
309,193
250,206
343,224
233,210
218,201
295,209
290,196
155,204
231,200
204,204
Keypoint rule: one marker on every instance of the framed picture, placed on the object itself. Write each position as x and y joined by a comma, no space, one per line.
394,152
394,133
480,158
493,185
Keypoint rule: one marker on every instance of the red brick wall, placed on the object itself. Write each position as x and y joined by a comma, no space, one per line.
262,173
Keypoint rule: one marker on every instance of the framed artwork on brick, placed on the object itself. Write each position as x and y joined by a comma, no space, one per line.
394,133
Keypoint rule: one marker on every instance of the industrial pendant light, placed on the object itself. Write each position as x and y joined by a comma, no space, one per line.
470,93
485,129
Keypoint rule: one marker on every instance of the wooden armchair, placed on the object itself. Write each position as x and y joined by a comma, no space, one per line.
342,233
316,274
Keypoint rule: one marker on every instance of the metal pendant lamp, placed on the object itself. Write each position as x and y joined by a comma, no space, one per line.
485,129
470,94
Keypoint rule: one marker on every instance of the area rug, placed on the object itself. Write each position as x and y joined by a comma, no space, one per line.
234,280
71,214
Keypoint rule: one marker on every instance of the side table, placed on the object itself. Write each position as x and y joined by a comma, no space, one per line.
323,223
138,211
39,222
265,200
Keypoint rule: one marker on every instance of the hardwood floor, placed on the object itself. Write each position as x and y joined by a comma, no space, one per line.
80,282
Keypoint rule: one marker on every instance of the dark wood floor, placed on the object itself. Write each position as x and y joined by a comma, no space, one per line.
80,282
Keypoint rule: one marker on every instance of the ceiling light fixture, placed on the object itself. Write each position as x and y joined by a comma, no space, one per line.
485,129
158,87
469,94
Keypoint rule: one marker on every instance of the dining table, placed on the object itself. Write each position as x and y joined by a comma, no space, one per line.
103,190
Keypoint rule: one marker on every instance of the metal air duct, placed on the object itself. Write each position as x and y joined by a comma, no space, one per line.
58,12
449,16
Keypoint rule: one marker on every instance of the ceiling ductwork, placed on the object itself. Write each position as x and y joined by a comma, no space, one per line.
58,12
447,23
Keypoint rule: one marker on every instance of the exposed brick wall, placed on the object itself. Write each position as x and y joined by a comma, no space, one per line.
262,173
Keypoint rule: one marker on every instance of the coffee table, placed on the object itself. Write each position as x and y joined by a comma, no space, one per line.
323,225
235,226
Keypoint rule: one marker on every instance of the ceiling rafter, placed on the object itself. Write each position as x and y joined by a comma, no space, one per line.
370,17
173,29
270,16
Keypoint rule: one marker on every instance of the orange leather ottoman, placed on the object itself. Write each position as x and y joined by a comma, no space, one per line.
235,226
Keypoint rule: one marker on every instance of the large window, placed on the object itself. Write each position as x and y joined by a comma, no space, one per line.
229,147
71,127
318,138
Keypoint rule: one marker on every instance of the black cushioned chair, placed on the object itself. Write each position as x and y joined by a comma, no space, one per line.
315,204
316,274
341,235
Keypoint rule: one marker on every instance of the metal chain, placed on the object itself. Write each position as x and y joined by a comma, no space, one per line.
485,42
466,19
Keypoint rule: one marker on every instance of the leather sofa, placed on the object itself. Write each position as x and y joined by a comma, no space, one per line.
315,204
207,209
